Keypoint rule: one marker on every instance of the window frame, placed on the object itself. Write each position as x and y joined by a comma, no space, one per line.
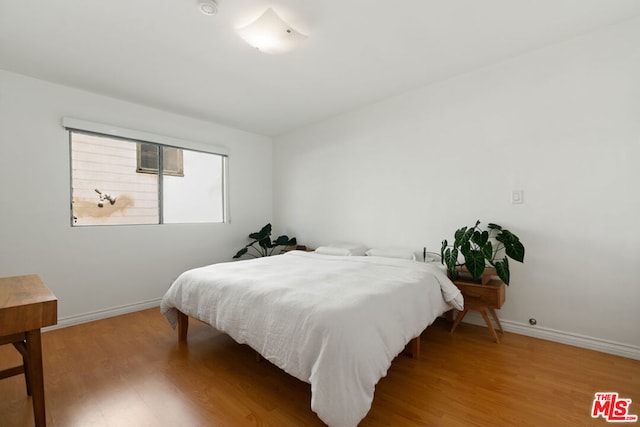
138,137
166,169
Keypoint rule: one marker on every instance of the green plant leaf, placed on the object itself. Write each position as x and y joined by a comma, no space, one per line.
492,226
459,236
487,251
480,238
264,233
265,243
281,241
512,246
442,248
467,235
515,250
450,260
502,268
505,235
241,252
476,236
465,248
474,261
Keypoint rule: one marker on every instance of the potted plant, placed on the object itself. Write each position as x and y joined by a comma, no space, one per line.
262,245
481,248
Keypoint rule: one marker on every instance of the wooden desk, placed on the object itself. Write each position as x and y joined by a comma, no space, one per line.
26,305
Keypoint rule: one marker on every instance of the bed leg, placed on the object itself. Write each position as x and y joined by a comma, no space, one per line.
183,326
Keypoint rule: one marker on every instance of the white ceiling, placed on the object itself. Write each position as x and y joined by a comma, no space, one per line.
166,54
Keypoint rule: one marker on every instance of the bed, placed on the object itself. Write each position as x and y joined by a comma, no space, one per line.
336,322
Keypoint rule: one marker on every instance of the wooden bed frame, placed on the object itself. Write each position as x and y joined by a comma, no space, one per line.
413,348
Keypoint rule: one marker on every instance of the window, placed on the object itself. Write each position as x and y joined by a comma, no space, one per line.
115,181
148,160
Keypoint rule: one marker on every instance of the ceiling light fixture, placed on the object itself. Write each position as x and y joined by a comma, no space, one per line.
270,34
208,7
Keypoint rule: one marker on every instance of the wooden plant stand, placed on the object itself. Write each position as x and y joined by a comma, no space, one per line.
484,295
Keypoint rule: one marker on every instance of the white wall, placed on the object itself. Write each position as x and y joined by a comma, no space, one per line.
561,123
100,268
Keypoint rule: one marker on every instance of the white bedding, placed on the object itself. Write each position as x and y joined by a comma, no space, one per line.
336,322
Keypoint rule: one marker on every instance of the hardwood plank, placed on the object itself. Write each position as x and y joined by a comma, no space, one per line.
131,370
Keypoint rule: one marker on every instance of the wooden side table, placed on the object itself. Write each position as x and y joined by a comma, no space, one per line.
487,295
298,248
26,305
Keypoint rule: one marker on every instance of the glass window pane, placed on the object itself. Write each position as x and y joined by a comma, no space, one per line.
148,159
172,163
105,186
197,196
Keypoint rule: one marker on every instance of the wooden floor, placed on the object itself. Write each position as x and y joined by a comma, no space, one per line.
131,371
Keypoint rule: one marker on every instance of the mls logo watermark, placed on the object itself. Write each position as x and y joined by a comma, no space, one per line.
612,408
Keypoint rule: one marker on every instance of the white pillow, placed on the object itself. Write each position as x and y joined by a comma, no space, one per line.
392,253
345,249
354,249
328,250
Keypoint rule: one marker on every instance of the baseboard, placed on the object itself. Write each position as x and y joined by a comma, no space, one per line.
64,322
577,340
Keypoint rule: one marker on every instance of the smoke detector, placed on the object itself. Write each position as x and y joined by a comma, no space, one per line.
208,7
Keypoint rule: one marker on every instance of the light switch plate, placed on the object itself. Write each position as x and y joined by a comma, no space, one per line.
517,197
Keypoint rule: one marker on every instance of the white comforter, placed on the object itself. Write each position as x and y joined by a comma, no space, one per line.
336,322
